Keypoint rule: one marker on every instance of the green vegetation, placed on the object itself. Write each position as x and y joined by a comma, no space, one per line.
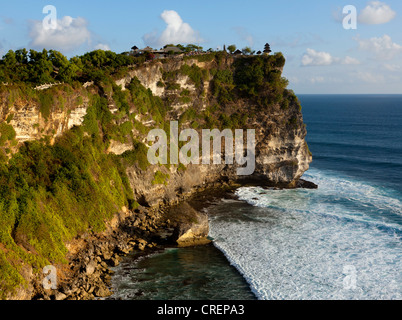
259,77
49,194
195,73
52,192
189,115
7,133
222,86
138,155
160,178
232,48
32,67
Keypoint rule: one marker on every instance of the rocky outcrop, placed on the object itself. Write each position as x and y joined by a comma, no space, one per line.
190,226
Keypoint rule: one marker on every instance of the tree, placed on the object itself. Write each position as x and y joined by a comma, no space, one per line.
41,68
193,47
10,60
21,56
149,56
232,48
247,50
62,66
267,49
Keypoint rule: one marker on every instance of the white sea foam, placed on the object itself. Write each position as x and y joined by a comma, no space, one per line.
302,244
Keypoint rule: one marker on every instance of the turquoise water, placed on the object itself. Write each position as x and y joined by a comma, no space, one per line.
194,273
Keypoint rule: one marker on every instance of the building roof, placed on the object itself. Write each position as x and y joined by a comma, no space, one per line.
174,49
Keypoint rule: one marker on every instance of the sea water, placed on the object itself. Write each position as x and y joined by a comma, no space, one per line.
341,241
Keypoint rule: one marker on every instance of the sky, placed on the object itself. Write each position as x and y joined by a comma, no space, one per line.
327,50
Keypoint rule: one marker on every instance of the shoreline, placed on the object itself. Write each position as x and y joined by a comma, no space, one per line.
137,257
88,272
92,256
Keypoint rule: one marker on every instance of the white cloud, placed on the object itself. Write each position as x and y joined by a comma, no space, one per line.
316,58
349,60
392,67
317,79
383,48
293,79
321,58
70,34
368,77
176,31
376,12
102,46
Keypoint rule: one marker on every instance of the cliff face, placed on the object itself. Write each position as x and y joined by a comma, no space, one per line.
282,154
107,123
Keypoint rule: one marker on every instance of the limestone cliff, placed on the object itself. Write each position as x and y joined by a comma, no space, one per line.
113,118
282,155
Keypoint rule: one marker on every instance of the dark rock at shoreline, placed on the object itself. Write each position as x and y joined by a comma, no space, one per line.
304,184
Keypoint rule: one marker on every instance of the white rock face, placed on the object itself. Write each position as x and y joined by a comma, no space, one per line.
29,124
118,148
149,76
76,117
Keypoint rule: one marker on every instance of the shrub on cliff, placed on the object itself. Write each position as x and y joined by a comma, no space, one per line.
49,194
259,78
7,133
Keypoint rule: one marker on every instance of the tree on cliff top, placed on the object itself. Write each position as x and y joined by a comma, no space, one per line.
232,48
247,50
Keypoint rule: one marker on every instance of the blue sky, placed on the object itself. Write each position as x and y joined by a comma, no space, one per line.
322,56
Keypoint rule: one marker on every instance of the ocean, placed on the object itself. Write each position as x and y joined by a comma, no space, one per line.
342,241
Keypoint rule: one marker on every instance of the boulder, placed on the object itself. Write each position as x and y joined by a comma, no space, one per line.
191,226
91,267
